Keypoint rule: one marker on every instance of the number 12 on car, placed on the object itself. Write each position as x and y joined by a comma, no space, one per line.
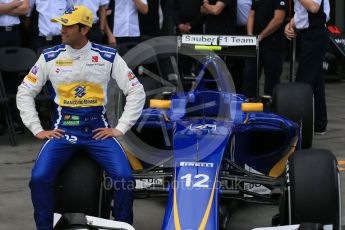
199,180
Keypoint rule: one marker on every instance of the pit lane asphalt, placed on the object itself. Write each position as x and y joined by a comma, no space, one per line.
16,211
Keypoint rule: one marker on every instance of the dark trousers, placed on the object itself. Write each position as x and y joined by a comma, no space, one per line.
236,64
313,44
11,37
121,40
271,60
96,35
37,43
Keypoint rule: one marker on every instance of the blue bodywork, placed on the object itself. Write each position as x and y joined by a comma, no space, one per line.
206,126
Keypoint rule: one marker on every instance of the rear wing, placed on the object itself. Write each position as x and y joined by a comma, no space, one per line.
225,45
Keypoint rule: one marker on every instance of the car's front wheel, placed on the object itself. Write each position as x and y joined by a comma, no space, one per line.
313,189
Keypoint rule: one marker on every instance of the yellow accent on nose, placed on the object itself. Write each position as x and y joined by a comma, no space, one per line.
160,104
252,107
176,217
209,205
207,211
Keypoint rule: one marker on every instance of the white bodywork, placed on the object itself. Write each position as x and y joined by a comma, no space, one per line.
291,227
99,222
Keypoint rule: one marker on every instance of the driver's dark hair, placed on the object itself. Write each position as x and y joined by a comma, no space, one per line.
88,35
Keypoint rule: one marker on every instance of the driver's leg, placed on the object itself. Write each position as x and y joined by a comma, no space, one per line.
110,155
51,158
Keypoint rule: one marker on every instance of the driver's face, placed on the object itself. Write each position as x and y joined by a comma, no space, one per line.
71,35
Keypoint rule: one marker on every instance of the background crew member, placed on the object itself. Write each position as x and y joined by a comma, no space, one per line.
221,16
150,23
98,8
79,72
42,32
220,19
124,21
308,24
243,8
9,21
237,63
265,20
10,35
188,20
187,16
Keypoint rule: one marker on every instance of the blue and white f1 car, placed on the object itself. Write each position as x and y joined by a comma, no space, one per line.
209,145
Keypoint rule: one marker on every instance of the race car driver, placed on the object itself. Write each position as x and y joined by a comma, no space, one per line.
79,72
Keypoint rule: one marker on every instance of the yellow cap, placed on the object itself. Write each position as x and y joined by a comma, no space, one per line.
75,15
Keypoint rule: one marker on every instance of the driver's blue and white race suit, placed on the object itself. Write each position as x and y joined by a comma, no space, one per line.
78,80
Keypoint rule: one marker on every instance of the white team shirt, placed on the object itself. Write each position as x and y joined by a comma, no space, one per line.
126,21
243,8
48,9
301,14
93,5
8,20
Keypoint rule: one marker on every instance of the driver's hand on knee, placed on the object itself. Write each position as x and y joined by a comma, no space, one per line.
50,134
103,133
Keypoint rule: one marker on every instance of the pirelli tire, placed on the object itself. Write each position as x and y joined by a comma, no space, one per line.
296,102
313,188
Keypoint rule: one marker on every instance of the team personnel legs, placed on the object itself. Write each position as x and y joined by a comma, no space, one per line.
310,70
39,42
10,36
249,81
272,62
96,34
273,67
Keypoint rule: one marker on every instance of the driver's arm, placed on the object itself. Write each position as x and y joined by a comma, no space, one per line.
134,92
31,86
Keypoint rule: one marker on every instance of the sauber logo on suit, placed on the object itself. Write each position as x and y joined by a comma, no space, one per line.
94,59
